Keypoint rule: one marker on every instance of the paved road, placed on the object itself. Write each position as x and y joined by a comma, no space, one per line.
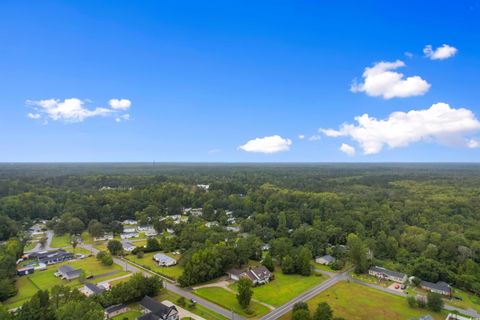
280,311
46,247
169,285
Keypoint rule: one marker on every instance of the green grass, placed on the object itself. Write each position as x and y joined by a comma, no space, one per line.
357,302
30,245
28,285
469,300
197,309
228,300
283,288
173,272
371,279
61,241
130,315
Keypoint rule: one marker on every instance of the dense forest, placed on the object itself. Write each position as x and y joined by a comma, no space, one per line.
422,219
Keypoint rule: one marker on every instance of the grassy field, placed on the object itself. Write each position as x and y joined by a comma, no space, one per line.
28,285
371,279
283,288
198,309
469,300
147,261
61,241
356,302
130,315
229,301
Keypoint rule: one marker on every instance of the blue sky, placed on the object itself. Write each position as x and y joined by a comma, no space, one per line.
203,78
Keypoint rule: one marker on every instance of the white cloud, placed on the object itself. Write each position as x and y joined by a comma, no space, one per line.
438,124
271,144
473,143
315,137
123,117
301,136
408,54
347,149
380,80
34,115
120,104
440,53
74,110
213,151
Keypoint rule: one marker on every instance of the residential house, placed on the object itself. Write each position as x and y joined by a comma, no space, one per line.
91,289
129,230
25,271
115,310
203,186
265,247
439,287
385,274
258,275
129,222
195,212
233,229
211,224
105,237
151,232
452,316
163,260
66,272
326,259
128,246
51,257
154,310
128,235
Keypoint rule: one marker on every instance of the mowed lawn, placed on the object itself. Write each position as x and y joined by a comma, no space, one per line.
46,279
130,315
228,300
61,241
173,272
283,288
357,302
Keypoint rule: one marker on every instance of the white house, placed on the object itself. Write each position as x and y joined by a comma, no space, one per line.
326,259
128,235
163,260
128,246
129,222
129,229
105,237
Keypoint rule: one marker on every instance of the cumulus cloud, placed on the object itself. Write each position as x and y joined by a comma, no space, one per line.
34,115
440,53
381,80
301,136
347,149
74,110
438,124
315,137
120,104
271,144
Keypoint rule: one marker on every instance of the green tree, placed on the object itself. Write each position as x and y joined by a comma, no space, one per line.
303,262
84,309
301,315
434,301
288,265
323,312
357,252
115,247
245,292
268,262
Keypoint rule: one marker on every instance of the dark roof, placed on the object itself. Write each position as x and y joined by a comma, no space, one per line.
115,308
235,272
65,269
259,273
440,286
328,258
94,288
387,272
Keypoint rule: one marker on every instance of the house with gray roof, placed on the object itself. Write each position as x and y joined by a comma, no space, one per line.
163,260
258,275
115,310
154,310
68,273
385,274
91,289
326,259
439,287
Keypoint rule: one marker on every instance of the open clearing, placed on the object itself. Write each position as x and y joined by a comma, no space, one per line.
173,272
283,288
356,302
228,300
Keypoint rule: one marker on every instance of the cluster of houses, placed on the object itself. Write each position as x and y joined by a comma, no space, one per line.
40,260
259,275
385,274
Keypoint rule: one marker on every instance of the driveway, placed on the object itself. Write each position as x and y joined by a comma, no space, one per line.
46,247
